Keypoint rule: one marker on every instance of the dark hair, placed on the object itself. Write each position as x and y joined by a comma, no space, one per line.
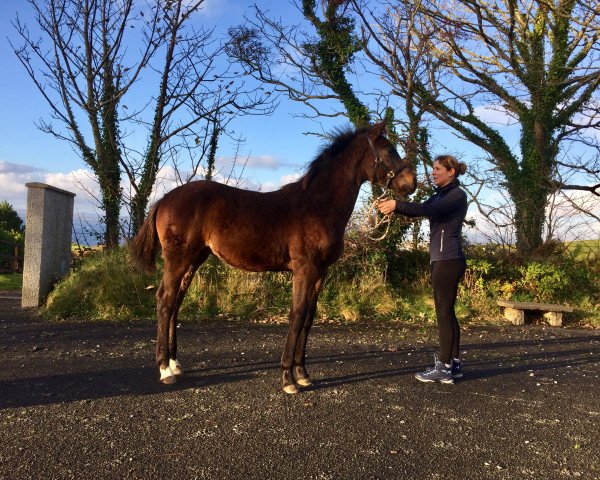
449,162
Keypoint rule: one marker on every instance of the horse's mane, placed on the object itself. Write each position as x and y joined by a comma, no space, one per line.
340,138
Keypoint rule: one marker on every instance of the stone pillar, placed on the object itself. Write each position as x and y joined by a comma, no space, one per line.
48,227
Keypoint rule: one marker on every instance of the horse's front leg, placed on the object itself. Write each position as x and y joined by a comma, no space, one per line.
304,280
300,373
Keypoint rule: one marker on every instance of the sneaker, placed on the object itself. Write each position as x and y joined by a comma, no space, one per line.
439,373
456,369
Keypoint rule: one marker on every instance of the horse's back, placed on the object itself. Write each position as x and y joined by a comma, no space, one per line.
246,229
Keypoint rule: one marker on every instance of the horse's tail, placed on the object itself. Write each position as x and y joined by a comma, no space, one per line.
144,245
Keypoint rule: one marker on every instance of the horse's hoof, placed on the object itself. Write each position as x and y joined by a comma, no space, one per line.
175,367
169,380
291,389
304,382
166,376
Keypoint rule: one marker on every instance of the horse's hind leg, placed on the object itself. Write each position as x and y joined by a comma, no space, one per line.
300,374
177,276
184,285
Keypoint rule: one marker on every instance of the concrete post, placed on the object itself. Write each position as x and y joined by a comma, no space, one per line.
48,227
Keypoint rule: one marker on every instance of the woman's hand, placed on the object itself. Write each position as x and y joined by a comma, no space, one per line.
386,206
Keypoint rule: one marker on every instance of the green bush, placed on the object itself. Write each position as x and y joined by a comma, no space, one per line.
103,286
360,286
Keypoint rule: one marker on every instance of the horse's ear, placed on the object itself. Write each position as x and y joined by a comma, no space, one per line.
377,130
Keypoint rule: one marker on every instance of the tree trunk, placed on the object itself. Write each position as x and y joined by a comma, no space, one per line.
529,222
531,189
111,204
138,212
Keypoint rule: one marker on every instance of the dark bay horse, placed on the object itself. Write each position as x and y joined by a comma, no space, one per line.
299,228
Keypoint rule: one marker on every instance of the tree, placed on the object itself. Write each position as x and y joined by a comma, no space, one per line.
88,74
537,62
9,218
317,73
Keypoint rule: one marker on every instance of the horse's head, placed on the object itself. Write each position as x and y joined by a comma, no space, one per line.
384,166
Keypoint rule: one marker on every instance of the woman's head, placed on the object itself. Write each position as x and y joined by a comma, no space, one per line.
446,168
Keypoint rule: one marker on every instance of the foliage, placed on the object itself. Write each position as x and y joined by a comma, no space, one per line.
362,285
333,52
86,71
11,237
12,234
562,277
10,221
536,62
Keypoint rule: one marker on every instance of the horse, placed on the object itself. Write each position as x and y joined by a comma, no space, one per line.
298,228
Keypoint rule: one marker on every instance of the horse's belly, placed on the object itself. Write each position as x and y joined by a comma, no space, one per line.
251,259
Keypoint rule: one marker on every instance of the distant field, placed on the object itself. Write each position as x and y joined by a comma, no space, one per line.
585,248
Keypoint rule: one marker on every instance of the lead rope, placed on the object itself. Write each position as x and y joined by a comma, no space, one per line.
373,219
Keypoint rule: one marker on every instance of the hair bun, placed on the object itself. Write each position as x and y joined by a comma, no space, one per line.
450,162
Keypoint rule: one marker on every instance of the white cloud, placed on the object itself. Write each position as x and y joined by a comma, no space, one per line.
268,162
290,178
496,114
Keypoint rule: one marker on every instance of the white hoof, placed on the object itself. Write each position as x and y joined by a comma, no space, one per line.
167,376
291,389
175,367
304,382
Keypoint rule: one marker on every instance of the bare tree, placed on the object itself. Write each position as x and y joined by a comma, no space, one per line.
89,71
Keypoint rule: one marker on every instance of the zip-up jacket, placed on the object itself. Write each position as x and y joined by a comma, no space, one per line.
446,210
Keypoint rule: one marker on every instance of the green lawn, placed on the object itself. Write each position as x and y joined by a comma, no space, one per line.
11,281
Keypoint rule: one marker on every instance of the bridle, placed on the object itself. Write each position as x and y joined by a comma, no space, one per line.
373,210
379,161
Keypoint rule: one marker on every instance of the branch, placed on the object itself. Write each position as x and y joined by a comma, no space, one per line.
594,189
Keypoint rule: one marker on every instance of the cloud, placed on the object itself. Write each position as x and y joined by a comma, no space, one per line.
268,162
14,177
290,178
494,113
7,168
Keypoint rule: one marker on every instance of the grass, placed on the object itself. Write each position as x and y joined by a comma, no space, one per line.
585,249
11,281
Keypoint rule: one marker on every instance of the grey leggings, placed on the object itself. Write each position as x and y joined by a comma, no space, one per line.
445,277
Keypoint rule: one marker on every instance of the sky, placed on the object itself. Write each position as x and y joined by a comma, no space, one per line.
275,151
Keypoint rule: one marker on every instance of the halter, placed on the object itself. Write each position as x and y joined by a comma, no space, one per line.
385,219
379,161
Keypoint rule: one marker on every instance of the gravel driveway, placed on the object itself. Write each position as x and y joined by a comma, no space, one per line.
82,400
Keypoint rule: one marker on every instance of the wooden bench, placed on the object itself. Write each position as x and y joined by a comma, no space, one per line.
514,312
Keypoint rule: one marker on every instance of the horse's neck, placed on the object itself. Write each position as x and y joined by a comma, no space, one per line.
337,191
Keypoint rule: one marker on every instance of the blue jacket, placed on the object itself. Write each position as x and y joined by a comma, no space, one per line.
446,210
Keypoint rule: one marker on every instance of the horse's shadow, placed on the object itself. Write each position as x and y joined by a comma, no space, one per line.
366,366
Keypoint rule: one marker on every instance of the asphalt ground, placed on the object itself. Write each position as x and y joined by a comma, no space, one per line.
82,400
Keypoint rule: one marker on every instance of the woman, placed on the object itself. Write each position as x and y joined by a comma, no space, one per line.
446,210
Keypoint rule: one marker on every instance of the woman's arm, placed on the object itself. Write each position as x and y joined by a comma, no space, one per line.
447,203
